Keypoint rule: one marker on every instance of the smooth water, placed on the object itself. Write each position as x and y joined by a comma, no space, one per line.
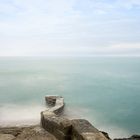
104,90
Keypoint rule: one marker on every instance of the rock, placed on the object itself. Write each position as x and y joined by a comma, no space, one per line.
83,130
11,130
6,137
35,133
135,136
63,128
106,135
58,126
25,133
44,117
47,114
50,100
50,121
56,103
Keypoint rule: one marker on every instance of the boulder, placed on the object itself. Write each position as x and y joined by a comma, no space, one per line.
106,135
60,127
6,137
83,130
35,133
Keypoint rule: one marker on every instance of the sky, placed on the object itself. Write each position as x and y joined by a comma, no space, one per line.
69,27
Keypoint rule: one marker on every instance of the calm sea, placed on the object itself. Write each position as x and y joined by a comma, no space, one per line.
104,90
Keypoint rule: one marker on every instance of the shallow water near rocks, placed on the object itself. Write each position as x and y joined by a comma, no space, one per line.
104,90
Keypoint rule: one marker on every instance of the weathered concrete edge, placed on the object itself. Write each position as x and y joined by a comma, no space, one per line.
56,103
63,128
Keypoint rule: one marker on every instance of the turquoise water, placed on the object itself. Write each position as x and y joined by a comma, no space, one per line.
105,90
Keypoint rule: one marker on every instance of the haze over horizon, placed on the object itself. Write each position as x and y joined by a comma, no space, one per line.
69,27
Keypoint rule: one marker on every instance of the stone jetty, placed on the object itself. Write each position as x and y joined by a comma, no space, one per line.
63,128
54,126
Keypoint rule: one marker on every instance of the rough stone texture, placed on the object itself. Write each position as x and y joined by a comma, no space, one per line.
83,130
12,130
36,133
25,133
106,135
50,100
57,103
63,128
58,126
6,137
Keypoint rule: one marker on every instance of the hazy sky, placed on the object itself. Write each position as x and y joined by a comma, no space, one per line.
69,27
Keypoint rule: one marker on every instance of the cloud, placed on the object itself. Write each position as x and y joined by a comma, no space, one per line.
128,4
66,27
125,46
124,49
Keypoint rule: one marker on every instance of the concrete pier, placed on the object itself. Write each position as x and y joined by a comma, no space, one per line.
63,128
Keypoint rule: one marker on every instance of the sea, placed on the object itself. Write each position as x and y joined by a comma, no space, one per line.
104,90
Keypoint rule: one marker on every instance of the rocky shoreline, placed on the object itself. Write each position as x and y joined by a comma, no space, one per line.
25,133
38,133
54,126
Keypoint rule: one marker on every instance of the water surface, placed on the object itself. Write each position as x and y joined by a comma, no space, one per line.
105,90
